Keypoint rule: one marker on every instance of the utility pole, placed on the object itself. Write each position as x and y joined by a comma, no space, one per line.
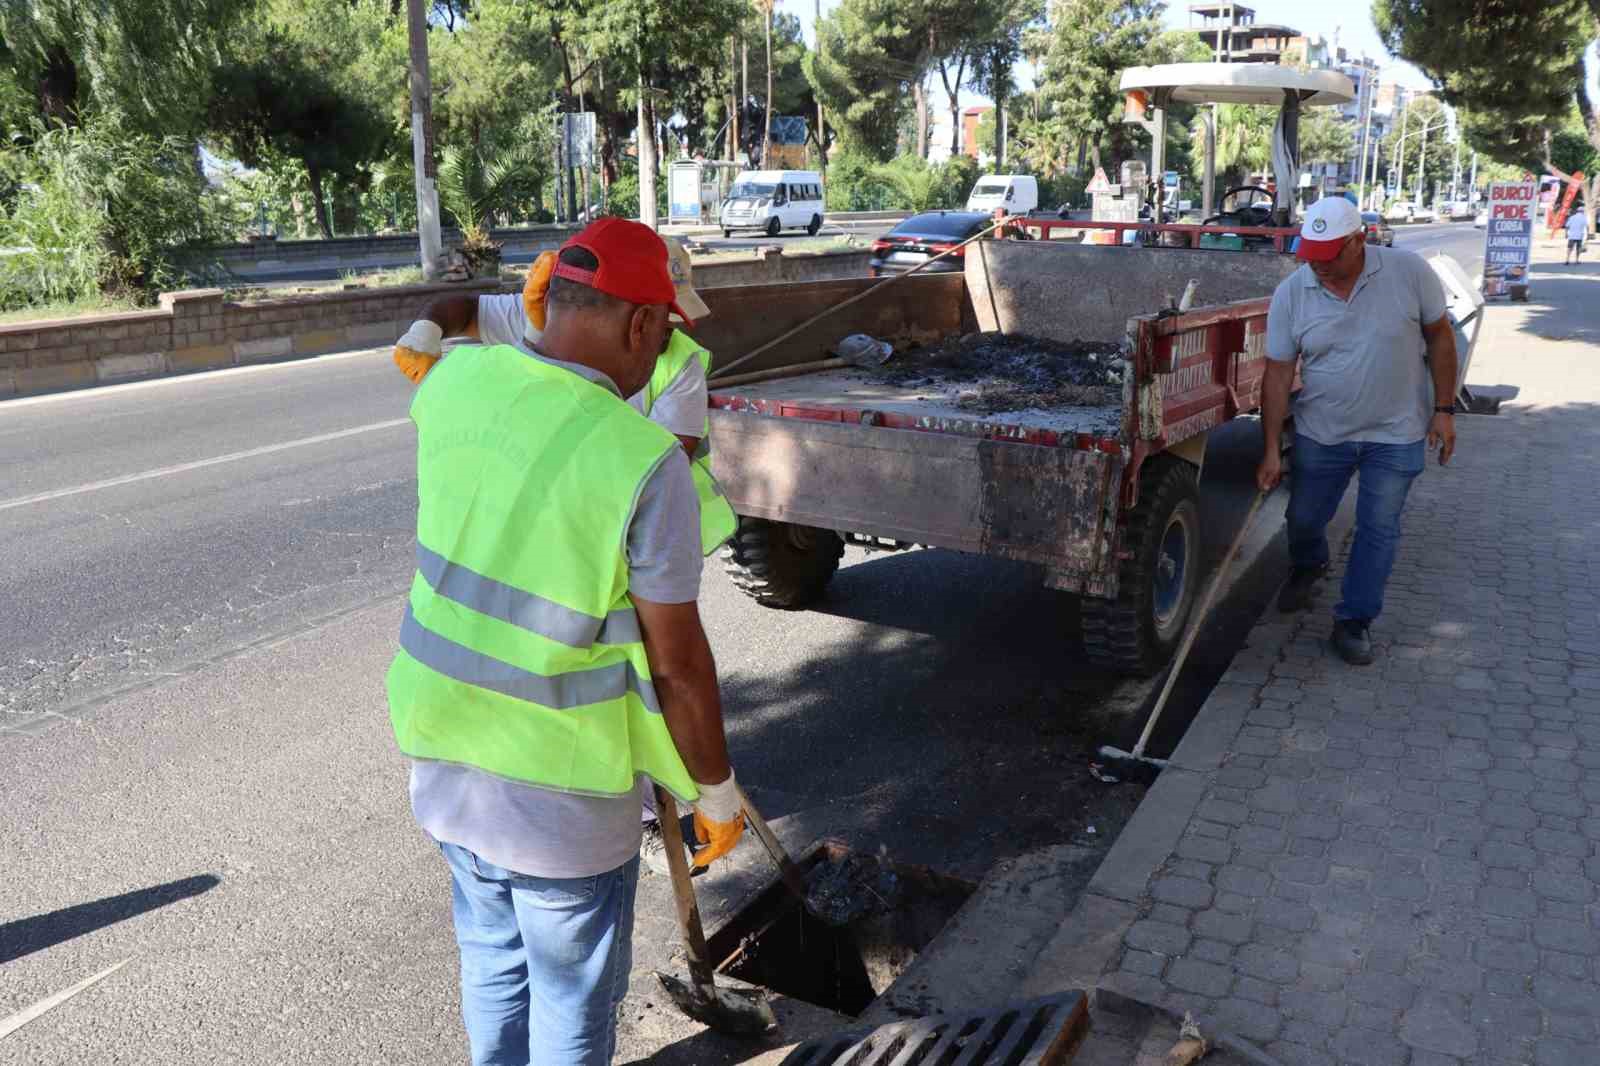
432,250
1472,188
744,60
766,136
1422,162
1368,82
1399,155
1455,170
822,129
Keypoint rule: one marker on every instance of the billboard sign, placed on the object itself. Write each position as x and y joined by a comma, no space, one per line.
1508,240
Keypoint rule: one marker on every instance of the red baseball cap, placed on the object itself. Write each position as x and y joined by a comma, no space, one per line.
633,263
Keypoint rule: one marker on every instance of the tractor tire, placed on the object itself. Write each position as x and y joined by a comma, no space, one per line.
1160,580
780,564
773,226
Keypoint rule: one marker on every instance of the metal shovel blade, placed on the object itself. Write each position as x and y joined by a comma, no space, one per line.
727,1010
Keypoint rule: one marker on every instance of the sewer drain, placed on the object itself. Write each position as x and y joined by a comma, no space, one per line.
1038,1033
845,963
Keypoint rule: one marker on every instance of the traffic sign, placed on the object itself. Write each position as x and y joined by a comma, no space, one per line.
1099,183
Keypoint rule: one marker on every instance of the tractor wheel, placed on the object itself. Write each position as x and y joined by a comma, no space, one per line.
780,564
1160,579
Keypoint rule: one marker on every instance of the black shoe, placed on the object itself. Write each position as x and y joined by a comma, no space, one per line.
1297,591
1351,641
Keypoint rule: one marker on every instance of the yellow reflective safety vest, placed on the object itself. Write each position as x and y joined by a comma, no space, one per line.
717,520
520,652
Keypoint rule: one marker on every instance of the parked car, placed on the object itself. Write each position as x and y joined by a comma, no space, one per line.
921,237
1378,231
774,200
1017,193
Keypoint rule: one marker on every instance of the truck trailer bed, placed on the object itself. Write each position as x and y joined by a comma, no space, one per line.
932,406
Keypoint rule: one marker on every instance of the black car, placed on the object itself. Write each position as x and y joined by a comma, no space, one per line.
921,237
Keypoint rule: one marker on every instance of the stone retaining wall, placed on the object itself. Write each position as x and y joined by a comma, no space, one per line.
198,329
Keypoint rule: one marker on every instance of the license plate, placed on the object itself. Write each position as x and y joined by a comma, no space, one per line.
907,257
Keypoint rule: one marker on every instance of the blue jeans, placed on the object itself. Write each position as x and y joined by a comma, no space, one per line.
544,961
1321,473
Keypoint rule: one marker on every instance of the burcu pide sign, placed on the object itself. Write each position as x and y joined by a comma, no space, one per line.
1509,236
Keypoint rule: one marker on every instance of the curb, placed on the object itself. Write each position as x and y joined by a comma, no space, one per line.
1089,942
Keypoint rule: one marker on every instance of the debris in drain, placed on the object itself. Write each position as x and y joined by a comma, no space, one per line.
1015,373
839,891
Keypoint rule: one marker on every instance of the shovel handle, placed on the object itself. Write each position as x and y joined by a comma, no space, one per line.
786,867
694,934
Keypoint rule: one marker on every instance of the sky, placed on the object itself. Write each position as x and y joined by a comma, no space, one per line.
1351,20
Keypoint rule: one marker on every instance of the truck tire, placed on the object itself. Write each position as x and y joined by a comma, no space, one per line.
1160,580
780,564
774,227
815,226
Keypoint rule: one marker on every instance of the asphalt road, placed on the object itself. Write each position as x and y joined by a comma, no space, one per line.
203,578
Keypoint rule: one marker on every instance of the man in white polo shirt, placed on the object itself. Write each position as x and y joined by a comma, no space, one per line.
1377,356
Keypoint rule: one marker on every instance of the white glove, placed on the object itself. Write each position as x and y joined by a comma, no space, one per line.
424,338
721,802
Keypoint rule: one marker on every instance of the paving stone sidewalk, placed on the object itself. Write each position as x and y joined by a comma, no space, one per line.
1398,865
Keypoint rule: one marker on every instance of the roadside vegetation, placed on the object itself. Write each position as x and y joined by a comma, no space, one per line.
140,131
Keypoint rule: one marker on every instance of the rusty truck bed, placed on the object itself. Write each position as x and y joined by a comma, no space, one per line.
841,451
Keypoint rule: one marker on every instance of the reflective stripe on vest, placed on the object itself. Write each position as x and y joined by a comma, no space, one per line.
520,651
717,520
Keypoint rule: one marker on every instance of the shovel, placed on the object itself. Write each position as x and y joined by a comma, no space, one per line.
726,1010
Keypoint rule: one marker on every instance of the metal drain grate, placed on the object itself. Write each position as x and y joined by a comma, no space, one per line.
1038,1033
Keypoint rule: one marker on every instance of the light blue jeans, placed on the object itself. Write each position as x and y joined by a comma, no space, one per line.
544,961
1321,474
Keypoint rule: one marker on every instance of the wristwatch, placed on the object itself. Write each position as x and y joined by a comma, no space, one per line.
1444,410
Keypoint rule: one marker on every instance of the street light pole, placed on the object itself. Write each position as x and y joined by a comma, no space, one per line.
1368,80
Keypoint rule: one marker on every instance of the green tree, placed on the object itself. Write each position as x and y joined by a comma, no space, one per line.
1325,137
995,59
1516,67
877,52
150,60
315,84
1086,48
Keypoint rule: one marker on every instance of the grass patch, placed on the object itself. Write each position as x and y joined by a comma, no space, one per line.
383,279
99,305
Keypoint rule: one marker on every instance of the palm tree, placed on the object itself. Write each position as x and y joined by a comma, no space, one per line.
912,179
473,188
1244,141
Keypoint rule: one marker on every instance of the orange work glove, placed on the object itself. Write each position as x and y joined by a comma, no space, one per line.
718,821
538,283
417,351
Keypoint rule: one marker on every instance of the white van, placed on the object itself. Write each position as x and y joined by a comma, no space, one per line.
773,200
1017,193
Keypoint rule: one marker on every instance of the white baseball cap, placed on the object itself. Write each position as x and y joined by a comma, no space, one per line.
1327,223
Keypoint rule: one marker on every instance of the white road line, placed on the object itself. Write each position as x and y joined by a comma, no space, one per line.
183,468
92,392
49,1003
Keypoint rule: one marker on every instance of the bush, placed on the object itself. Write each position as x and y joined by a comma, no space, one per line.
852,186
623,198
97,209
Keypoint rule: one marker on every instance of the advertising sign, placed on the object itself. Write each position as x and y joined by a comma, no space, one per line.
1508,240
683,192
1558,218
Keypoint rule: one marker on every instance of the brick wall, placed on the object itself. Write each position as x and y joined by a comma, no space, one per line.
198,330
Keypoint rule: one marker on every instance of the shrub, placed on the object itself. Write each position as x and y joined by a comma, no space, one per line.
97,209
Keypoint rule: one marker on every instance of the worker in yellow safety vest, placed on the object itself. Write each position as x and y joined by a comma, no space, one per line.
551,654
675,396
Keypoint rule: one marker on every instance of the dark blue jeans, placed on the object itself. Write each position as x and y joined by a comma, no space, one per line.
1320,475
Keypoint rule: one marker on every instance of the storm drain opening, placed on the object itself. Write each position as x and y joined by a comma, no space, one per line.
873,916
